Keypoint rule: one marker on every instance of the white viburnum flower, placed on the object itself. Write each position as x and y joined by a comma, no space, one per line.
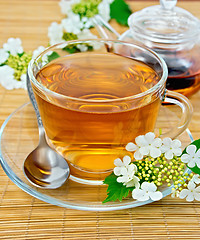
119,164
7,79
126,172
87,22
86,34
171,148
175,193
6,76
23,78
196,179
134,182
147,191
55,33
23,82
82,47
37,51
66,6
191,193
3,55
14,46
192,157
104,10
145,145
72,24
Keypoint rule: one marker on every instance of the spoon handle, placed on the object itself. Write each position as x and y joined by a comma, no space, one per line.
33,101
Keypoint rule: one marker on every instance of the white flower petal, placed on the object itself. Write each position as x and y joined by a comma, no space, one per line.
197,196
152,187
131,147
155,152
191,185
124,171
190,197
3,55
197,189
55,33
155,196
13,46
146,186
139,195
138,155
177,151
122,179
117,171
167,141
37,51
144,198
126,160
169,154
196,179
183,193
176,143
134,182
118,162
157,142
132,169
72,24
149,137
23,78
191,149
185,158
66,5
141,141
197,153
104,10
198,162
191,163
144,150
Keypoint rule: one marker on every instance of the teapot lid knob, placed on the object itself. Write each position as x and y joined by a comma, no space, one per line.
168,4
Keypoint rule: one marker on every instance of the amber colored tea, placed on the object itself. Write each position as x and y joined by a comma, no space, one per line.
184,80
90,131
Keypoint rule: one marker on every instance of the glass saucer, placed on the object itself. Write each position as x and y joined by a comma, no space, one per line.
19,136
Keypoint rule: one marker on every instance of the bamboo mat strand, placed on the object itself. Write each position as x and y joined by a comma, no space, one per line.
25,217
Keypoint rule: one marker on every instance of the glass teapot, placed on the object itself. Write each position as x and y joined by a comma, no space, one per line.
173,33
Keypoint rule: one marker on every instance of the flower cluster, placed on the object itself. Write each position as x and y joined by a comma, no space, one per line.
148,145
152,163
78,20
126,172
86,9
14,63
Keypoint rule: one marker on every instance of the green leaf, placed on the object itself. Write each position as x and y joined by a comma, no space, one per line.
53,56
71,49
120,11
20,54
115,190
197,144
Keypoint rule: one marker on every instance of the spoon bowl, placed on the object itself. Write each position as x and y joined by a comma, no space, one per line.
44,167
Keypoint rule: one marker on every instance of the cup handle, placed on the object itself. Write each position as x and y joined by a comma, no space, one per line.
186,108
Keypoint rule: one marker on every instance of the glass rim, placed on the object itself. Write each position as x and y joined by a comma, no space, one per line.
157,86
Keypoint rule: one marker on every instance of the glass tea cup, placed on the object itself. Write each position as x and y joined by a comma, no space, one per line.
95,96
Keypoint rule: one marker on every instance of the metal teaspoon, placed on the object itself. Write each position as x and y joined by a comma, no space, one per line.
44,167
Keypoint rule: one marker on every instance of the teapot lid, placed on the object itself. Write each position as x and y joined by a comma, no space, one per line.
164,23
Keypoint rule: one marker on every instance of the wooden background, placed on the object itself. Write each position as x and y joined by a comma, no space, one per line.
24,217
